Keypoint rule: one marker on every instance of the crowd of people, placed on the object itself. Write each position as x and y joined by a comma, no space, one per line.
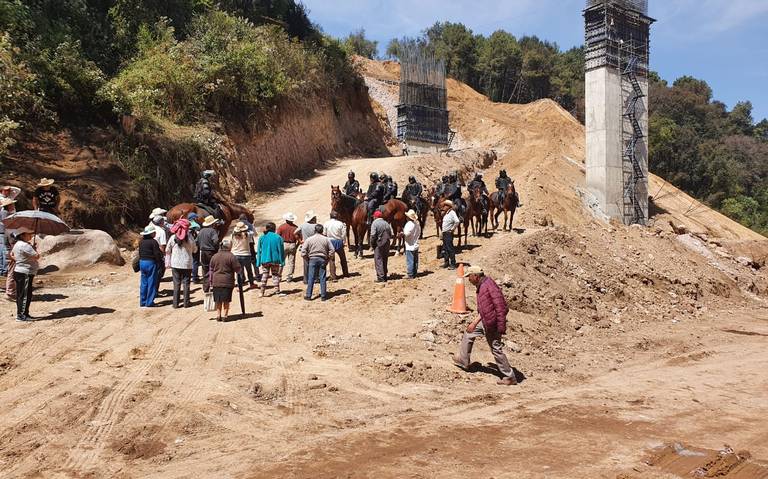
191,247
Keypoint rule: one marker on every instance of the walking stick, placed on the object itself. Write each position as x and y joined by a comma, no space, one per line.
240,290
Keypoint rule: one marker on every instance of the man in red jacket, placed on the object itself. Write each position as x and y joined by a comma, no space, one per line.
491,323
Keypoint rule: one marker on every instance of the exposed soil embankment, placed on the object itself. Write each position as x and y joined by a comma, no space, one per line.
109,180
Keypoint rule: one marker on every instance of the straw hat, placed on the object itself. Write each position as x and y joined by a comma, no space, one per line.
46,182
448,203
473,270
157,212
412,215
289,217
310,216
7,201
241,227
149,230
209,221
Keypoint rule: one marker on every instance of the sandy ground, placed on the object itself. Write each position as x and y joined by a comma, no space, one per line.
361,386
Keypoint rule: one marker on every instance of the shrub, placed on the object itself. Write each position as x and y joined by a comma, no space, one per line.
21,99
72,83
163,80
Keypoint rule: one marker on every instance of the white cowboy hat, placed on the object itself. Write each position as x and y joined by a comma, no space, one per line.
148,230
412,215
157,212
310,215
241,227
448,203
7,201
46,182
289,217
473,270
209,221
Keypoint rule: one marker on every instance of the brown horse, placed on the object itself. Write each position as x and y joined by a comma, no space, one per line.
393,213
345,206
231,213
474,213
508,207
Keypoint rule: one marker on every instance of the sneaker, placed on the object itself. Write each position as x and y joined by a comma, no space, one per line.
22,319
324,298
307,298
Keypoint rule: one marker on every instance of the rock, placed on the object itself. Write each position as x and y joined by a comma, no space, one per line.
429,337
385,361
79,248
313,377
317,386
514,347
679,229
744,261
604,324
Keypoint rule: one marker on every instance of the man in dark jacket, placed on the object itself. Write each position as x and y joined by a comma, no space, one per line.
208,244
502,182
375,196
478,183
352,186
491,322
412,194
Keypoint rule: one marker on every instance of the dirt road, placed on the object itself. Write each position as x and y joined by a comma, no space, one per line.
362,386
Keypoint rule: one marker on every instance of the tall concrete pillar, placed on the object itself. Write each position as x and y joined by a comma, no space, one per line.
617,51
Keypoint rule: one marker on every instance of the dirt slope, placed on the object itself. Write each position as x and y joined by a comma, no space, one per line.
543,146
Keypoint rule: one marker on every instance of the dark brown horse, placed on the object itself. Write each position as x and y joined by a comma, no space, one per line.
231,213
509,207
393,213
345,206
475,214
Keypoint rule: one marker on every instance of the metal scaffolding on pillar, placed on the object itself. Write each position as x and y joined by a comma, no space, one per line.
635,210
422,114
617,39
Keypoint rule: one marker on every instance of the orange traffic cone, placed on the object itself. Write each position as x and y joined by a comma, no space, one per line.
459,305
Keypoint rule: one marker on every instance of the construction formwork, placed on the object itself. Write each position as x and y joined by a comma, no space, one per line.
617,58
422,112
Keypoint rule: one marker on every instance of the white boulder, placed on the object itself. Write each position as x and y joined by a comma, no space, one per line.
78,248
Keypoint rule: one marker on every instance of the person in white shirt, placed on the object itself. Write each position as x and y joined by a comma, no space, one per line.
411,233
450,223
181,249
336,231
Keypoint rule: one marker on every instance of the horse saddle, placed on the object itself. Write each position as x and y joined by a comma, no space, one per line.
213,211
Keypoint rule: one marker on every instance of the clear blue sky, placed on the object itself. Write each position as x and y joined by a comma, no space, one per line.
724,42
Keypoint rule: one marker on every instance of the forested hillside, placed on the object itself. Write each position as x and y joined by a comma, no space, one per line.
696,143
74,62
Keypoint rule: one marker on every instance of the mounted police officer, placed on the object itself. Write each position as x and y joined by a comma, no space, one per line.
374,197
478,182
502,182
204,193
453,192
352,186
412,194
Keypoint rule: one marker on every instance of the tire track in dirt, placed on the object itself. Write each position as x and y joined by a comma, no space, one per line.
90,446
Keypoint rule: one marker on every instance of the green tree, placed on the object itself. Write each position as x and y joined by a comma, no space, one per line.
357,43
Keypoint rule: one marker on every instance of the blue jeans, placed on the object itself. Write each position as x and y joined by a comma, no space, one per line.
148,286
316,269
3,256
411,263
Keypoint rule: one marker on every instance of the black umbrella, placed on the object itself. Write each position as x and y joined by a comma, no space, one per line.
38,222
